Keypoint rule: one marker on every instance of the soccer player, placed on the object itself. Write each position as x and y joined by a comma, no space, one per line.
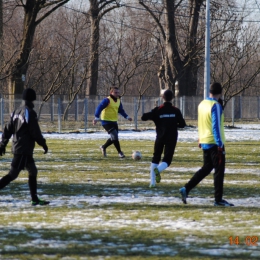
211,140
108,111
24,128
167,119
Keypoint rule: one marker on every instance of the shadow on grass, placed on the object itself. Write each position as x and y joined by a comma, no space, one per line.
57,243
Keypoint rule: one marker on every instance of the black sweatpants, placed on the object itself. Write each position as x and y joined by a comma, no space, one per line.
19,163
165,146
211,161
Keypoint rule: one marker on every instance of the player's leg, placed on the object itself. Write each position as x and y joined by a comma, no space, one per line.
198,176
169,147
16,166
12,175
32,181
152,174
158,150
219,166
108,128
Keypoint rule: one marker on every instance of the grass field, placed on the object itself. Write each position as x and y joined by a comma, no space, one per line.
102,208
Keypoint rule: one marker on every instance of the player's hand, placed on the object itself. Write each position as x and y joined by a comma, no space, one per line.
199,144
94,121
45,148
220,154
2,150
129,118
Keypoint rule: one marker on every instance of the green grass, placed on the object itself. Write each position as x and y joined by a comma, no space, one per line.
102,208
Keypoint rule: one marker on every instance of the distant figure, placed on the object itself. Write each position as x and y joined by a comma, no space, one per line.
167,119
161,76
24,128
211,140
108,111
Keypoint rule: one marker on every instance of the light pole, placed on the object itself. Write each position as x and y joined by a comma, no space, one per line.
207,52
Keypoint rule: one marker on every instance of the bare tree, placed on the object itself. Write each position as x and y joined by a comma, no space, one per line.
98,8
32,10
236,60
182,61
60,63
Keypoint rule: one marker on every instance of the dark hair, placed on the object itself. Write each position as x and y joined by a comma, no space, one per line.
113,88
29,94
215,88
168,95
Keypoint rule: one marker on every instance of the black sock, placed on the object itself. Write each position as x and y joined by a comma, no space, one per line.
108,143
117,146
33,187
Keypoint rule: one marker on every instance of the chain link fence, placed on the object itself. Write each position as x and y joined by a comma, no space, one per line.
60,115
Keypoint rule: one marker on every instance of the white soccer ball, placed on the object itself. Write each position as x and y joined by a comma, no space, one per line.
136,155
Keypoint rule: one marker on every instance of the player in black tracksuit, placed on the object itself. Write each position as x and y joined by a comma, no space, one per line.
167,119
24,128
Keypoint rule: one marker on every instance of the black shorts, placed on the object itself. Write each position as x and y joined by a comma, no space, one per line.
110,127
20,161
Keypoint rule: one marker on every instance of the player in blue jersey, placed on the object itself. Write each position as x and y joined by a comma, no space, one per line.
107,111
211,140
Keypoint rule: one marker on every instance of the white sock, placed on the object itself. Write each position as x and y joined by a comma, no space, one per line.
152,175
162,166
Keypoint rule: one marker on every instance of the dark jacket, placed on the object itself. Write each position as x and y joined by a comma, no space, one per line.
167,119
25,129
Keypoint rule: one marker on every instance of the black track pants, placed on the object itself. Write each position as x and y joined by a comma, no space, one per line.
211,161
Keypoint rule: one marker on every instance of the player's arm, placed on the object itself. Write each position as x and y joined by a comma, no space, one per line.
150,115
7,133
216,122
103,104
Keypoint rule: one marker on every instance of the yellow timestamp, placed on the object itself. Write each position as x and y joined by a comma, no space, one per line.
248,240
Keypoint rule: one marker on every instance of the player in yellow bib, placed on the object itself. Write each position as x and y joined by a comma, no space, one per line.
211,140
107,111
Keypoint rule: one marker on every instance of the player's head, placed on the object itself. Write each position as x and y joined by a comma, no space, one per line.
114,91
167,95
215,88
29,94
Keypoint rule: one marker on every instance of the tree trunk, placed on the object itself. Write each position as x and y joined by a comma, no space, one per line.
20,66
94,51
188,81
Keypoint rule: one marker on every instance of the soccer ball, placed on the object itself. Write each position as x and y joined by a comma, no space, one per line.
136,155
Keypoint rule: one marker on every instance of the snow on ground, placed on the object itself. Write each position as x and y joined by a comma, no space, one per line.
84,217
241,132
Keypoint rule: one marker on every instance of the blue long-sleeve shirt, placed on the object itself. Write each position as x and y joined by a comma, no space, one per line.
103,104
216,113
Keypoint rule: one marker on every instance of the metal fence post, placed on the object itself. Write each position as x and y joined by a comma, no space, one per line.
233,110
86,113
183,106
2,114
135,113
52,108
240,107
143,104
59,115
76,108
258,107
